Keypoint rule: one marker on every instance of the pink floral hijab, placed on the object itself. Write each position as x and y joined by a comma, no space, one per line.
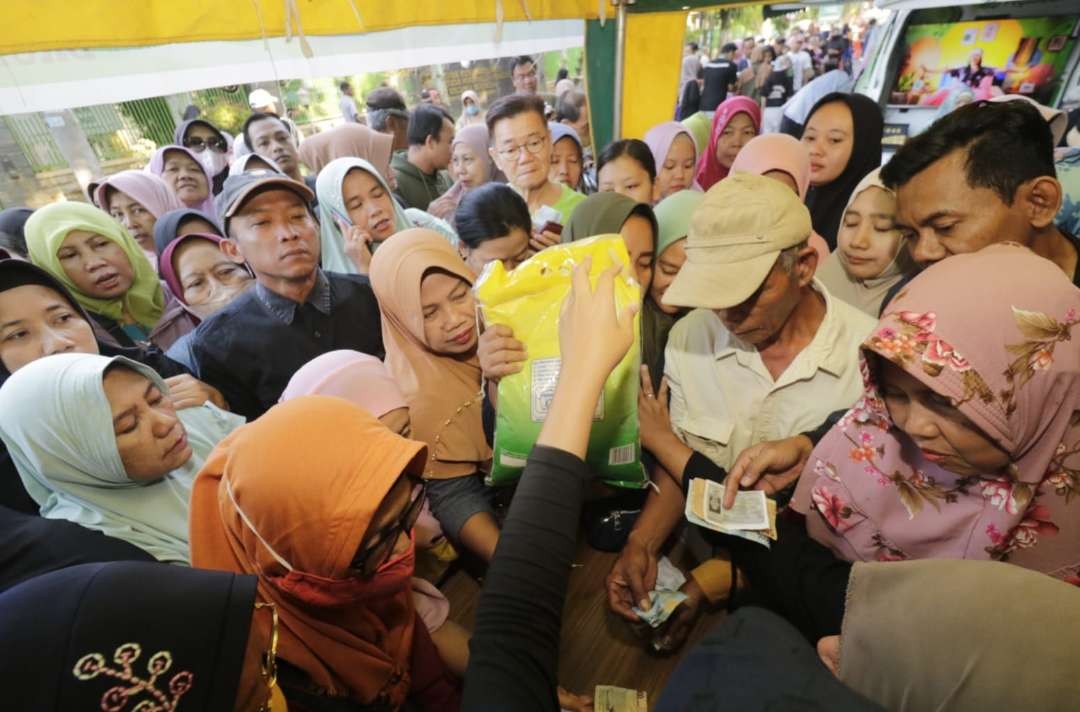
709,169
992,331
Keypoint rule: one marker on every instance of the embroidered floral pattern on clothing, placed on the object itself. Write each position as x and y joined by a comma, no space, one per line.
915,337
1036,353
1035,524
141,692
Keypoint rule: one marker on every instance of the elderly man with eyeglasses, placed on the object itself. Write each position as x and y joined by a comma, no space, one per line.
521,148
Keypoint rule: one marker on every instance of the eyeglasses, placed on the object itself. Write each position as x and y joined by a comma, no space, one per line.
198,145
533,146
369,560
269,659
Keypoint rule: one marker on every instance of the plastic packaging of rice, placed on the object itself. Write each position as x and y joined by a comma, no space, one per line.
529,300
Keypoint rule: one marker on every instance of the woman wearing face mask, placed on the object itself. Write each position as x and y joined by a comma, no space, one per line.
212,148
357,212
567,157
333,550
470,166
963,445
871,255
627,167
99,442
843,133
493,223
429,330
675,156
364,381
471,115
103,267
136,200
187,178
735,123
784,159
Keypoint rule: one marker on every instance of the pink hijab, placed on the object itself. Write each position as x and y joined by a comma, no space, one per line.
659,140
1007,357
709,170
147,189
780,152
357,377
157,167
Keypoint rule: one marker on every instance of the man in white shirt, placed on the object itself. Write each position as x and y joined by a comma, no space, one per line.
766,354
348,104
802,66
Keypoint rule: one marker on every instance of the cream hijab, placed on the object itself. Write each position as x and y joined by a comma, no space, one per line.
865,294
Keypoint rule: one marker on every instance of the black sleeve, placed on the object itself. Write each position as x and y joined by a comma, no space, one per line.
514,651
701,467
241,400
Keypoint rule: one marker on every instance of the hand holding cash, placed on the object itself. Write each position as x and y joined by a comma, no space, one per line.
752,515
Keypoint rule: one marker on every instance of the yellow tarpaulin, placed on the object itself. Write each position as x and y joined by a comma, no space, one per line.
35,25
653,61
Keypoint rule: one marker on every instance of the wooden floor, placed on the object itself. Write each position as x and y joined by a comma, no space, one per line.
598,648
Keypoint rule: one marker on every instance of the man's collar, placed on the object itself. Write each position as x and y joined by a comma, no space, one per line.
284,308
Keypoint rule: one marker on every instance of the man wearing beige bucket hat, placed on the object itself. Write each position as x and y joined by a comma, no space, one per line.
766,354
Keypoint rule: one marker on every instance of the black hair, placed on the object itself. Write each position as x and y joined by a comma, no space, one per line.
510,106
632,147
521,61
770,50
693,46
344,85
258,116
729,47
570,105
490,211
563,73
426,121
1008,143
381,104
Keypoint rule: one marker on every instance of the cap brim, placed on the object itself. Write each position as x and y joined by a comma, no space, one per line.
272,181
704,285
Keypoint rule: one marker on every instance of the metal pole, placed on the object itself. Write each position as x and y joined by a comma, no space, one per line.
620,47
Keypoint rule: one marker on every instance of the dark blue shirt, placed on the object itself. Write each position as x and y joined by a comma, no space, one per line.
251,348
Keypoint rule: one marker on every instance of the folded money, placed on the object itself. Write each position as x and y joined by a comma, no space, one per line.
663,604
753,517
619,699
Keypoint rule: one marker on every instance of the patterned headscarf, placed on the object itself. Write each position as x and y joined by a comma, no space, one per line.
1008,361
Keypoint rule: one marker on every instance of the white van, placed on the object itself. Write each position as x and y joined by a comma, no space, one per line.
926,60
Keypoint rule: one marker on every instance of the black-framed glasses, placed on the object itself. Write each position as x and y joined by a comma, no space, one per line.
198,145
372,557
534,146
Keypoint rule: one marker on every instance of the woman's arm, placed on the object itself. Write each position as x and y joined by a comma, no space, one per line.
514,651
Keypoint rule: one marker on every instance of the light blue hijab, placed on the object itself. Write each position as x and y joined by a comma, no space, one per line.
328,187
58,426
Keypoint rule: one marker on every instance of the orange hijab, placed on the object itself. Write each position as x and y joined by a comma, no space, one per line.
297,489
444,392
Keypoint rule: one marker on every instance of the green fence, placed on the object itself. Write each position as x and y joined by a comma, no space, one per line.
35,141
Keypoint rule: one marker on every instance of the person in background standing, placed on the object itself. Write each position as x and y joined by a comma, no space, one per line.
348,104
690,101
777,90
802,66
267,135
386,113
563,82
432,96
471,114
721,76
691,63
421,172
211,145
523,74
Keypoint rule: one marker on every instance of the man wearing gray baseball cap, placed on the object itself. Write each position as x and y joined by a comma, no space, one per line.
766,354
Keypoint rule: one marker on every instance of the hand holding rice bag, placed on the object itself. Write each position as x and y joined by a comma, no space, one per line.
529,300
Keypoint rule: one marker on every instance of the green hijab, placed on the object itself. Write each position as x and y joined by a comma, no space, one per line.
604,214
57,424
45,232
328,187
673,217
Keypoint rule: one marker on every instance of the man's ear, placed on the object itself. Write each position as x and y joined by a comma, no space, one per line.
1041,198
231,250
806,265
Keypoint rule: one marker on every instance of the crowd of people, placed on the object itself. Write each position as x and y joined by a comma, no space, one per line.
245,393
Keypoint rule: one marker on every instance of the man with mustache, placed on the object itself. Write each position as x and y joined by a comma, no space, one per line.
251,347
